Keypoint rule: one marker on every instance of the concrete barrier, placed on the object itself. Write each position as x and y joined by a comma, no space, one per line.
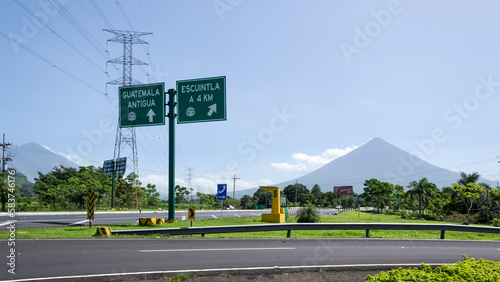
103,231
147,221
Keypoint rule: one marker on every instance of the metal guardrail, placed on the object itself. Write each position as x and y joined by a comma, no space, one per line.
310,226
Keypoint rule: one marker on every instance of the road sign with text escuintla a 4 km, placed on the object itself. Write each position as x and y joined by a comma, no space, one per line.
142,105
201,100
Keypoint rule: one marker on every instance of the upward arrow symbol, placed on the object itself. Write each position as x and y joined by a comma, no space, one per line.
151,114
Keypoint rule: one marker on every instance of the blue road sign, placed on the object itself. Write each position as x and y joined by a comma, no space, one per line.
221,192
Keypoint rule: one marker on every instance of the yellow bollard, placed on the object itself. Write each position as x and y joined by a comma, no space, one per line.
277,213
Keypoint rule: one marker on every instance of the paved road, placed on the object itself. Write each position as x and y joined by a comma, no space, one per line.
30,220
55,258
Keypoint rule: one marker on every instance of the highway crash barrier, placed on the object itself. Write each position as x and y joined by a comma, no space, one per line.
151,221
103,231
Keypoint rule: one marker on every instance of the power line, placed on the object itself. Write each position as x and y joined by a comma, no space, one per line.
58,35
49,62
99,11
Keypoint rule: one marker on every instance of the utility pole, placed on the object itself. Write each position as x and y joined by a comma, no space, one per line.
4,160
234,185
190,174
4,148
296,191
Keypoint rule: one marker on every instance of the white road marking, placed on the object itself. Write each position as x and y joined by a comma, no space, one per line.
78,222
202,250
237,215
7,222
214,216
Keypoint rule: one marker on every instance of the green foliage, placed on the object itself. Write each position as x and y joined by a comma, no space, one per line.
297,193
66,188
466,178
377,193
424,191
262,197
181,193
180,277
468,194
468,270
308,214
496,222
246,202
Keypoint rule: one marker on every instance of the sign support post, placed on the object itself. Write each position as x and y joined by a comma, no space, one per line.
171,154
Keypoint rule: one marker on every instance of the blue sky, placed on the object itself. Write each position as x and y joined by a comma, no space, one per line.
307,81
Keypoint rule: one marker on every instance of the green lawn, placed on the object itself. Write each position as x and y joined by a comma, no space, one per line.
86,232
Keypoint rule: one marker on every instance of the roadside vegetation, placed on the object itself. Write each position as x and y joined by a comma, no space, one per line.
353,216
467,270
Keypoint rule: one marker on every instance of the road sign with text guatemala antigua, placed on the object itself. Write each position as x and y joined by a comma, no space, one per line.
201,100
142,105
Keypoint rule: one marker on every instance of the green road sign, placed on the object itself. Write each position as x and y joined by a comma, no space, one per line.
142,105
201,100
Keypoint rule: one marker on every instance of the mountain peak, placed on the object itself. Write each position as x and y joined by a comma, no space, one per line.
378,159
32,158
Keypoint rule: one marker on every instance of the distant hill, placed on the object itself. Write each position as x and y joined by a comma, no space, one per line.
32,158
376,159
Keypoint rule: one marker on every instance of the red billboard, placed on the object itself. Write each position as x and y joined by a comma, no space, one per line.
343,190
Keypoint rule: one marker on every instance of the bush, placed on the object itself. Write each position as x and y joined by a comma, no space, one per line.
496,222
308,214
461,218
468,270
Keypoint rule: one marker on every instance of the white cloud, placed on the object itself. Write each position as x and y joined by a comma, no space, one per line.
206,184
305,163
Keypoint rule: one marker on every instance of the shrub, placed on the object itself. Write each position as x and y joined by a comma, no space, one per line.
468,270
496,222
308,214
461,218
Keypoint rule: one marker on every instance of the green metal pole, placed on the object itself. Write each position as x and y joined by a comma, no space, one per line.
171,154
113,188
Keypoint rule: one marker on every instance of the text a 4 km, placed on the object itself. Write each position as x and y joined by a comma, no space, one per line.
202,98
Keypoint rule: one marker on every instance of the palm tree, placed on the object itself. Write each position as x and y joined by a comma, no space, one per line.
423,189
468,178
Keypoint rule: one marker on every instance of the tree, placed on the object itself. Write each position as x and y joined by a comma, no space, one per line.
262,197
152,196
246,202
293,193
423,190
377,193
318,195
468,178
468,194
180,194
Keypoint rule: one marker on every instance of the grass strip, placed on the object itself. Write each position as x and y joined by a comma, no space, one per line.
68,232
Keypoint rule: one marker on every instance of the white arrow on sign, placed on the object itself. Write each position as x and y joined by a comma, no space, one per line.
213,109
151,114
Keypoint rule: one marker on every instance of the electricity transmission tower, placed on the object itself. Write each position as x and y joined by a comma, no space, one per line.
125,137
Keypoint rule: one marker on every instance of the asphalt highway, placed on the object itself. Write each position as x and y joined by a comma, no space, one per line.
31,220
101,259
